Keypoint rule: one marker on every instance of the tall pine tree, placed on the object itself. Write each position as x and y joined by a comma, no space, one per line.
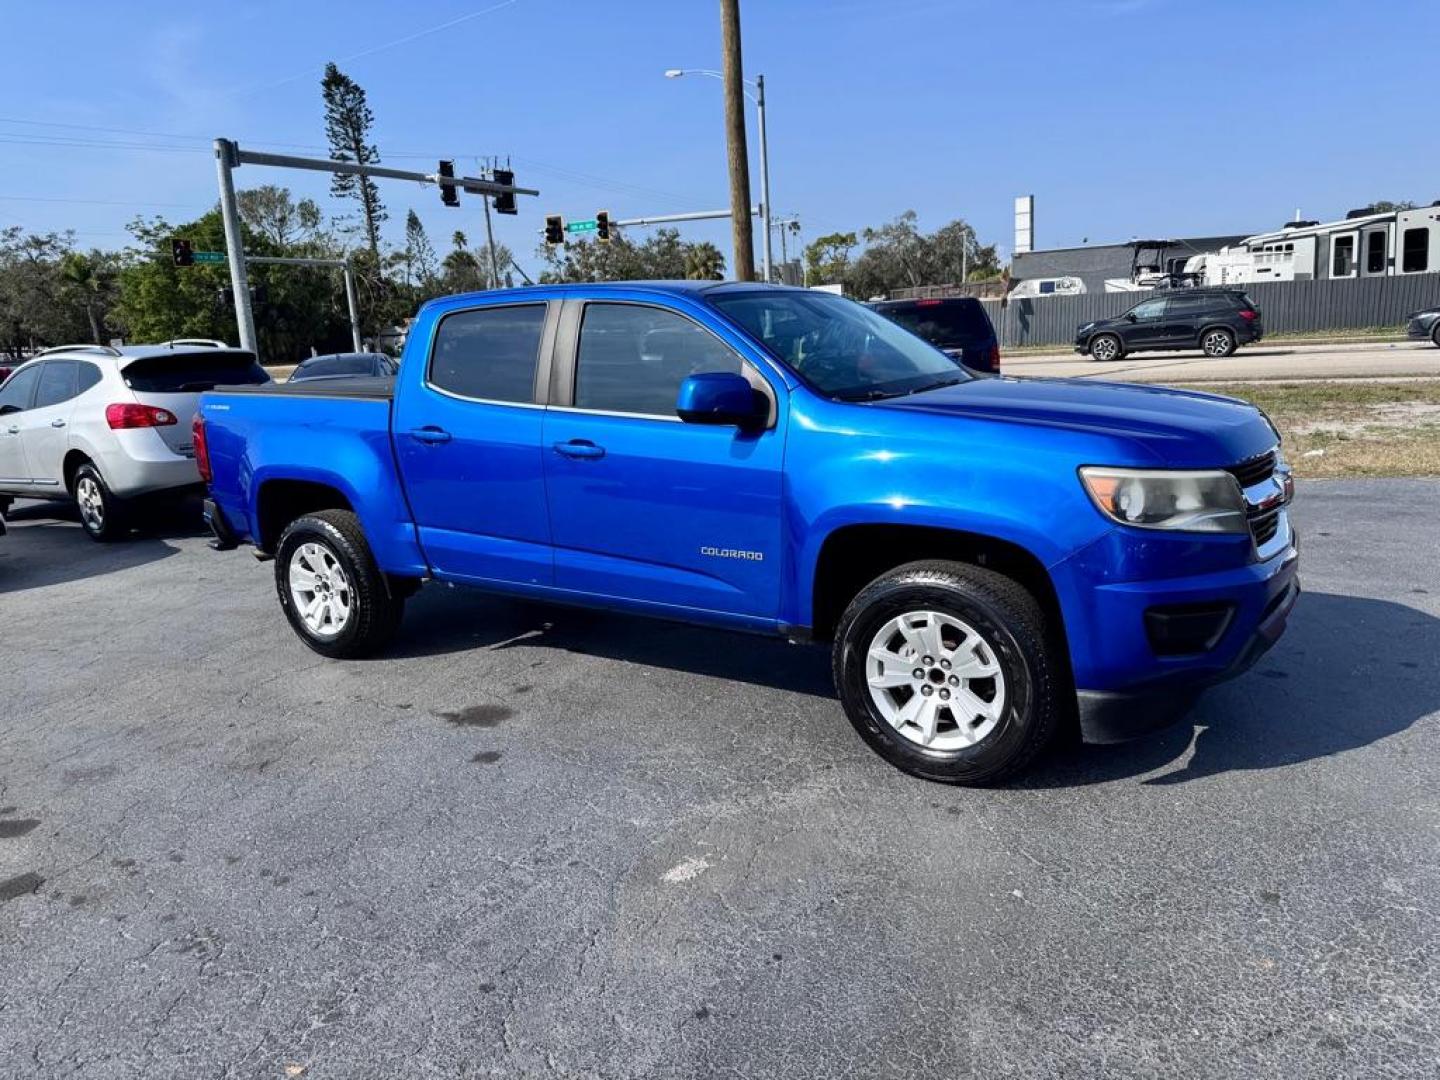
347,126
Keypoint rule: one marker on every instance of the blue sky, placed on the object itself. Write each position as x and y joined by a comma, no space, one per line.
1123,117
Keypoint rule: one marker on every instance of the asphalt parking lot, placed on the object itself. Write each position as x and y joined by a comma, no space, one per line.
1250,363
536,842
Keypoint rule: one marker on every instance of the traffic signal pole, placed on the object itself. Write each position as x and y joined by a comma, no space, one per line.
229,157
343,265
225,162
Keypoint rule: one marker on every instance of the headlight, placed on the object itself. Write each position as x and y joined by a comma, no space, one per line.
1206,501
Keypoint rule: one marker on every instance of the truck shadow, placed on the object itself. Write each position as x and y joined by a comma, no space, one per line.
45,545
1349,672
440,621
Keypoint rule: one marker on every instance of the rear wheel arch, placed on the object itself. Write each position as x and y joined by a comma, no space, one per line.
71,465
280,502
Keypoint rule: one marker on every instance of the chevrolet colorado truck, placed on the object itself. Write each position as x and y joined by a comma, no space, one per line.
991,559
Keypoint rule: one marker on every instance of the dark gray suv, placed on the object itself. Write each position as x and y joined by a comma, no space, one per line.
1215,321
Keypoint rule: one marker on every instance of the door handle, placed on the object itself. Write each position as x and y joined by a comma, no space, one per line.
579,448
57,423
430,435
12,430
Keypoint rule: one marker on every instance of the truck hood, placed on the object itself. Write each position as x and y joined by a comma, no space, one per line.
1181,428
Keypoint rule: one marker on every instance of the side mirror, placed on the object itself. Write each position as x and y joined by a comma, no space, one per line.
717,397
1130,316
6,410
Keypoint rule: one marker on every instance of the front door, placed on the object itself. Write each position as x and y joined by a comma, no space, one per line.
645,507
467,436
1146,328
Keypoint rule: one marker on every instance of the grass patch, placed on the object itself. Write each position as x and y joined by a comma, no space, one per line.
1337,429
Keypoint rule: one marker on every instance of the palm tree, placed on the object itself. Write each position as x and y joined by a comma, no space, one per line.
704,262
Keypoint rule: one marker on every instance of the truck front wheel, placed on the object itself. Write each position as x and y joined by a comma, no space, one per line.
331,589
945,670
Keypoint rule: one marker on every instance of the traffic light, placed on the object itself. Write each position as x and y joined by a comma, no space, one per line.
449,194
182,252
554,229
602,225
504,204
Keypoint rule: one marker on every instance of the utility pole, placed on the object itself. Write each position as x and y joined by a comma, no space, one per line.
765,208
736,152
226,158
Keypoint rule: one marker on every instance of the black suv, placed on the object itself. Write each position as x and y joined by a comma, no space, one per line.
1214,321
957,325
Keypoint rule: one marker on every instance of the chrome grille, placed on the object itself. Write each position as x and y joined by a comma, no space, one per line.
1253,470
1264,526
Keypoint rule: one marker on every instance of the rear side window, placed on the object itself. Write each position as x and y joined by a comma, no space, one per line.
57,383
489,353
89,376
943,322
192,373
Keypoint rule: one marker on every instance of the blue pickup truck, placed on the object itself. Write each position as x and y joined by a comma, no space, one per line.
993,559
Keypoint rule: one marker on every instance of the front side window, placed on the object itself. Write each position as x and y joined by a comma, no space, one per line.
1151,309
489,353
841,348
1342,263
632,358
57,383
1415,255
15,397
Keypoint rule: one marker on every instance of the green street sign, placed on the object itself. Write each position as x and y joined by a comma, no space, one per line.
208,256
570,226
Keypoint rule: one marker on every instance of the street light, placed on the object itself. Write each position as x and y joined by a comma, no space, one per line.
758,97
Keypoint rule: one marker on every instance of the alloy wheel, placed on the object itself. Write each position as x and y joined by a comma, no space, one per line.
1217,343
320,590
1104,348
91,502
935,680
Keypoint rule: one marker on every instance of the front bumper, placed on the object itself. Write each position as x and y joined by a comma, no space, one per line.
1421,329
1130,679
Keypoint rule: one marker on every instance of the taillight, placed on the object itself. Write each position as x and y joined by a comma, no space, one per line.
927,303
202,451
1249,316
130,415
995,359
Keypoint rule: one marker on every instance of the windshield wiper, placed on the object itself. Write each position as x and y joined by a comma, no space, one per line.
935,386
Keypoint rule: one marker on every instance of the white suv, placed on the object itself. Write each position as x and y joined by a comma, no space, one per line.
106,426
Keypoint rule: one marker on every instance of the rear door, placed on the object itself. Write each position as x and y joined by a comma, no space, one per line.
643,506
43,428
15,398
467,437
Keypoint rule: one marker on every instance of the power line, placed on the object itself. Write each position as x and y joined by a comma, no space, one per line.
372,50
97,202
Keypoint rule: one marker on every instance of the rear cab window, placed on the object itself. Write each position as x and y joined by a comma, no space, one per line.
192,372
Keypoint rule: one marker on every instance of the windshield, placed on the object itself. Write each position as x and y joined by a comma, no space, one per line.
339,364
942,322
842,349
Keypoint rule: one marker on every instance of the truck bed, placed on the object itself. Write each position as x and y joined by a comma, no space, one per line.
375,387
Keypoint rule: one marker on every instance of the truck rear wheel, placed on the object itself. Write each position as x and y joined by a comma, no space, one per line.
945,670
331,589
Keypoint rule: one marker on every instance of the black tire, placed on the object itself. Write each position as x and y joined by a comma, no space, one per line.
1013,629
103,515
1435,334
374,608
1100,345
1217,342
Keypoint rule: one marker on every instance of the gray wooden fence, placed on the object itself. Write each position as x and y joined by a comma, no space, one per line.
1287,306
